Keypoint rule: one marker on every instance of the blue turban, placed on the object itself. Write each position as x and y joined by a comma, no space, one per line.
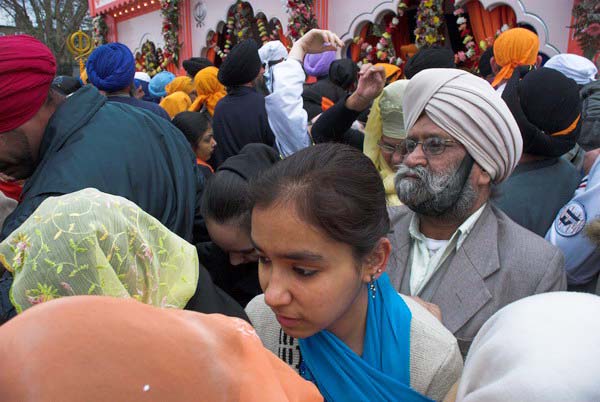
158,83
111,67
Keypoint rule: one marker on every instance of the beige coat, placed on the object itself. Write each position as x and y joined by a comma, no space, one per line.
435,361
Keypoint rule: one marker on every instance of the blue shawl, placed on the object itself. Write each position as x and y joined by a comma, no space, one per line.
382,373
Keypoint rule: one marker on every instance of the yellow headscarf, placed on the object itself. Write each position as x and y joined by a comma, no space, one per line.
513,48
92,243
176,103
392,72
210,90
183,84
386,118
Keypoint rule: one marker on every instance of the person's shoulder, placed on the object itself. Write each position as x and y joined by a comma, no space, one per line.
260,314
264,322
221,106
151,106
435,359
526,249
429,337
510,232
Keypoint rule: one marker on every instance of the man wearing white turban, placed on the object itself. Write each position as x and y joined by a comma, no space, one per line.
451,246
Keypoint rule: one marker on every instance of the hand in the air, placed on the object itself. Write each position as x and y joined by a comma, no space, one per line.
319,41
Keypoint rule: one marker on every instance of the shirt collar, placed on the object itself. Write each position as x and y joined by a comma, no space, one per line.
462,232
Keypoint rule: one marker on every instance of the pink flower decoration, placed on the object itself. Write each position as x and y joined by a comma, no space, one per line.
461,56
593,29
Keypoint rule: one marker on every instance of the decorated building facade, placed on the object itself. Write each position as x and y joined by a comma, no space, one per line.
162,33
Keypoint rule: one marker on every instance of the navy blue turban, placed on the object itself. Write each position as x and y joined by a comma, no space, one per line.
111,67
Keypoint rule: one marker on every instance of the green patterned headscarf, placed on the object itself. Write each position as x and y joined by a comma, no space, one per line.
92,243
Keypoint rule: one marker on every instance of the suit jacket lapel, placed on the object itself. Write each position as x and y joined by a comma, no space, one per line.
400,238
462,291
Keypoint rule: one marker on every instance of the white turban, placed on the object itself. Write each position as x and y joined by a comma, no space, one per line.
272,51
142,76
472,112
578,68
538,349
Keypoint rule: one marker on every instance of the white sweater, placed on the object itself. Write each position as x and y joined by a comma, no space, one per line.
435,359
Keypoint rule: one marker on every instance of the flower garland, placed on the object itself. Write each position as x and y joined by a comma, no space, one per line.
277,28
430,21
150,59
169,10
587,26
469,58
262,30
100,31
238,27
301,17
383,51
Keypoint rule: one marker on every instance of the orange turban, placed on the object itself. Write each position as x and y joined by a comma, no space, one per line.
183,84
27,68
176,103
513,48
210,90
392,72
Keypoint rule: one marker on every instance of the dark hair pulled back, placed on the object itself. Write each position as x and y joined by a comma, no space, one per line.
335,188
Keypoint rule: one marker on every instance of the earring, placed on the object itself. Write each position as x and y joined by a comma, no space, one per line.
372,287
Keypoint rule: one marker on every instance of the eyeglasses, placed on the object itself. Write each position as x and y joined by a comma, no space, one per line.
431,146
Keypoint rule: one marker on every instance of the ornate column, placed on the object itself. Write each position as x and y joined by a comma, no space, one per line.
321,8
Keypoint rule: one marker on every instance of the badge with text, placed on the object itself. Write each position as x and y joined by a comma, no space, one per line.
571,220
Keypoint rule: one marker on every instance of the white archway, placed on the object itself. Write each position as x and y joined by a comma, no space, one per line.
523,16
369,16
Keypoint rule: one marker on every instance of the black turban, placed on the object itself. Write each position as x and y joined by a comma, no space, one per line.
343,73
485,65
241,66
195,64
429,57
547,108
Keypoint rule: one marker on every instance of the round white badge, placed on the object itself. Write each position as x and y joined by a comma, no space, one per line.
571,219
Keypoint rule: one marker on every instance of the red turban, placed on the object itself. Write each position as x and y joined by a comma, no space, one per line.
27,68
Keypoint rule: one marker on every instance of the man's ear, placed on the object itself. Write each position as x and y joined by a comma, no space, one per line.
538,61
376,262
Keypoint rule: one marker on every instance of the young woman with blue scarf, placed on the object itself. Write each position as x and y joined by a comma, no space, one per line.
329,310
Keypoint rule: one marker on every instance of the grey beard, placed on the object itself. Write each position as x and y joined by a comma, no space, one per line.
438,195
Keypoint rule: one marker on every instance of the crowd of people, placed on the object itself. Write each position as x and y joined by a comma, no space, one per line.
382,233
